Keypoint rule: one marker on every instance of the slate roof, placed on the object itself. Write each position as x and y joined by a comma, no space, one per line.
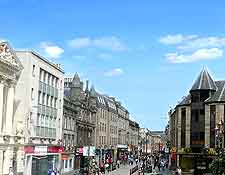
204,82
185,101
219,95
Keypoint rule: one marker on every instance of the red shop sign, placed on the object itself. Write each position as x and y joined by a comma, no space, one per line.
55,149
28,149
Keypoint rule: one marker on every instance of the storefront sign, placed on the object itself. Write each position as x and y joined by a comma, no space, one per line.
28,149
55,149
122,146
92,151
40,149
43,149
85,151
65,157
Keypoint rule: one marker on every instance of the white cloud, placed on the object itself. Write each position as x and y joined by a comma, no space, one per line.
51,50
204,42
112,43
109,43
114,72
79,43
201,54
176,39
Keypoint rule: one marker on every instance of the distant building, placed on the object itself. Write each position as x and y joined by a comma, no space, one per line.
86,110
133,135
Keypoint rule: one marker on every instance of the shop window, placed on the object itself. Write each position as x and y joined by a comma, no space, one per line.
71,163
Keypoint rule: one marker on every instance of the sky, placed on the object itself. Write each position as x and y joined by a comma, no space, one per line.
146,53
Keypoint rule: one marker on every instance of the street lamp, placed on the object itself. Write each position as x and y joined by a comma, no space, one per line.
219,134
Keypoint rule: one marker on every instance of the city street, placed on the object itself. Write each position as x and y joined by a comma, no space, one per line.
125,170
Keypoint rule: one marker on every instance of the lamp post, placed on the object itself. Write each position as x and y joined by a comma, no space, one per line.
219,134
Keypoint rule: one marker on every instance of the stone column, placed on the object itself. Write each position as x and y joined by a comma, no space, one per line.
1,161
9,110
188,126
207,126
7,160
179,128
1,102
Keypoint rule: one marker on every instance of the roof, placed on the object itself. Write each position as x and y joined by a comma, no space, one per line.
219,95
204,82
185,101
42,58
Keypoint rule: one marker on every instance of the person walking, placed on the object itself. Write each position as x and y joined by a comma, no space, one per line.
118,163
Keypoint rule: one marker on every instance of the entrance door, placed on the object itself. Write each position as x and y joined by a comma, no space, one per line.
41,164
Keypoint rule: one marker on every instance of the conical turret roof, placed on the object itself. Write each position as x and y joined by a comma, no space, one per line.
93,93
76,80
204,82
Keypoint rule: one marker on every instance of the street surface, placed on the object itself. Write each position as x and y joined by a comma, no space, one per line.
125,170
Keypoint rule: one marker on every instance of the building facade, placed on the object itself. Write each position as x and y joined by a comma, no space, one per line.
11,129
133,135
196,120
39,96
69,136
86,110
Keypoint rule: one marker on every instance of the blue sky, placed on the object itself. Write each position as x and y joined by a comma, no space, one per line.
146,53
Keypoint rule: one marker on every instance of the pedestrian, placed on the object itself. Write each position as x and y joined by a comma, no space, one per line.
136,160
179,171
118,163
158,165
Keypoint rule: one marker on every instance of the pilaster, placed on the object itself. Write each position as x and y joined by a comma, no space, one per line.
207,126
9,110
188,126
179,128
1,102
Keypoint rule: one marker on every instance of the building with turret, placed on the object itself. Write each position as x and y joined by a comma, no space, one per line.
197,122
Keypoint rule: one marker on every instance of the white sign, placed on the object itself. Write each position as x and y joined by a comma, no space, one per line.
40,149
122,146
85,151
92,151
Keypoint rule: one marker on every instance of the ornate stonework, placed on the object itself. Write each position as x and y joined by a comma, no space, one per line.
8,56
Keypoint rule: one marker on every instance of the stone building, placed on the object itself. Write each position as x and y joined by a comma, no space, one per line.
39,97
133,135
123,124
196,119
112,132
11,127
102,122
85,104
69,136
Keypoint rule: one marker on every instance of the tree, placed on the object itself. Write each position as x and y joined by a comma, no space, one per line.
218,164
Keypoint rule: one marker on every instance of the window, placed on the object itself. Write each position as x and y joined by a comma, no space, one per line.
66,164
49,75
39,97
53,78
45,74
51,102
47,102
33,71
70,163
40,75
32,93
56,82
43,98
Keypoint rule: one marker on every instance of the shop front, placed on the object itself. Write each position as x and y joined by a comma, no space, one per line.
40,160
122,153
67,163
